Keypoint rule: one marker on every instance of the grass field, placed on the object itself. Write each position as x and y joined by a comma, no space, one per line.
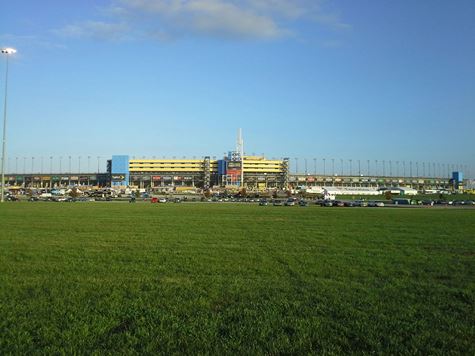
229,278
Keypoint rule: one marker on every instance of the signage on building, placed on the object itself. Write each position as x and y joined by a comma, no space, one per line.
146,178
19,178
167,178
233,172
310,179
55,178
45,178
36,178
234,165
188,178
74,178
156,177
64,178
116,177
83,178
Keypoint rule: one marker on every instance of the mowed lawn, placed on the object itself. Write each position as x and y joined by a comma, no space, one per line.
230,278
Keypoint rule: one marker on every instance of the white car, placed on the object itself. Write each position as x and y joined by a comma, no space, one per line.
162,200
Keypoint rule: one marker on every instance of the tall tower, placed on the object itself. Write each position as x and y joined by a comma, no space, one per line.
240,152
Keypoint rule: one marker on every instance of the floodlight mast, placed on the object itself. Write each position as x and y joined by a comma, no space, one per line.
240,152
7,52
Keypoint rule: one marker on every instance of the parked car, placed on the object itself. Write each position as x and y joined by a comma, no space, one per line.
162,200
263,202
290,202
349,203
277,202
338,203
328,203
361,203
303,203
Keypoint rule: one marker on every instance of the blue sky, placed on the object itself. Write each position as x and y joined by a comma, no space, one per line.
378,80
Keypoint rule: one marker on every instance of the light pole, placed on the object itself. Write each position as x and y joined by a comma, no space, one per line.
7,52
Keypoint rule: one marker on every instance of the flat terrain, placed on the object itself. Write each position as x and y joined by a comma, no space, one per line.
229,278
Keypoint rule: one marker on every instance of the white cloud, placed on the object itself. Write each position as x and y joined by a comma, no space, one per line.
165,19
95,29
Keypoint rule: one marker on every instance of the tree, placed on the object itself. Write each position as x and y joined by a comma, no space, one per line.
388,195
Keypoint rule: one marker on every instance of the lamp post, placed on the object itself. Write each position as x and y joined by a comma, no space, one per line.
7,52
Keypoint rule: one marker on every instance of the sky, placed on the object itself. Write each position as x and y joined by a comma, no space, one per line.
360,80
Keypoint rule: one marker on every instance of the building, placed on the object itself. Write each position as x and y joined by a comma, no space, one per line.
257,172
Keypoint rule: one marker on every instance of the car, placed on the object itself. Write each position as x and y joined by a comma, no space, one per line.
33,199
162,200
338,203
290,202
303,203
11,198
277,202
263,202
349,203
328,203
428,202
177,200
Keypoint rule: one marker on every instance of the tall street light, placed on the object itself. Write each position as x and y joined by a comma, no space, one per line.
7,52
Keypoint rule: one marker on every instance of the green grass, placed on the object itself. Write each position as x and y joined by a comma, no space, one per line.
229,278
